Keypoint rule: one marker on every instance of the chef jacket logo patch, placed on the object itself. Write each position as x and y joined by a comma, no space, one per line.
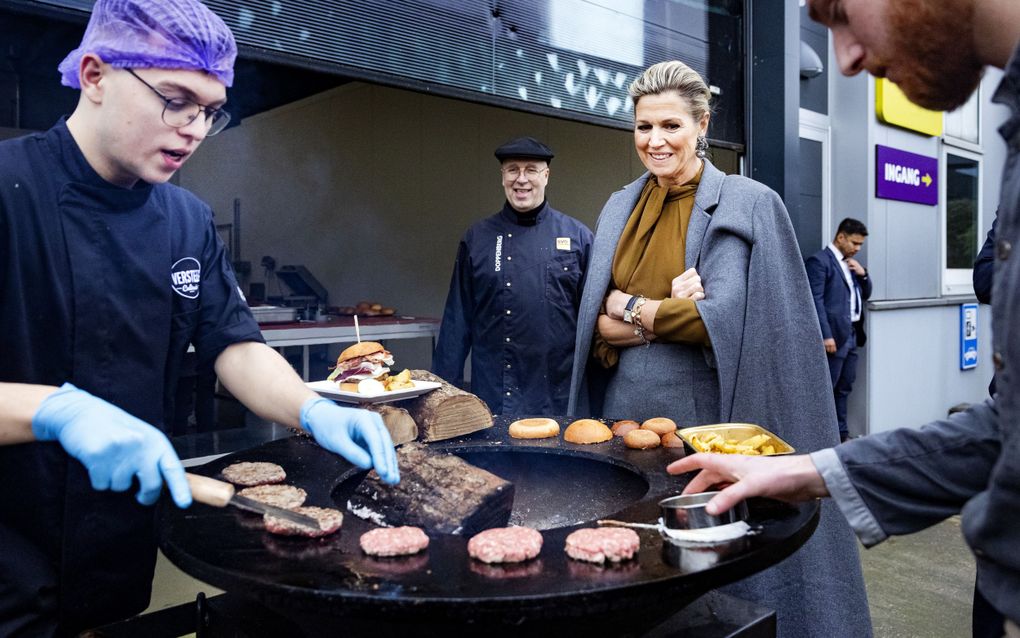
499,252
562,243
185,277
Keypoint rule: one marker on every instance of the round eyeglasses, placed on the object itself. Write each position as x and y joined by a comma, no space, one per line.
178,112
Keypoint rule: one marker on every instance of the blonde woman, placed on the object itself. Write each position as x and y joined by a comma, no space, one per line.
697,308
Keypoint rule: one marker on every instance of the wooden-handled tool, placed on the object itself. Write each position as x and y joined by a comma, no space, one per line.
220,494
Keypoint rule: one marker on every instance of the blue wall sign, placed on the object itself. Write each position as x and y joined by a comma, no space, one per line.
968,336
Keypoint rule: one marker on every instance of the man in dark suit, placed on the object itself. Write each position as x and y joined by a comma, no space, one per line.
840,286
984,266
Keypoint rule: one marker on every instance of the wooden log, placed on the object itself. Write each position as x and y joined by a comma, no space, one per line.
398,421
446,412
439,492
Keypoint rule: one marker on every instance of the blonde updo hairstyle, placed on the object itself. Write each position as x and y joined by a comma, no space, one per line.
674,76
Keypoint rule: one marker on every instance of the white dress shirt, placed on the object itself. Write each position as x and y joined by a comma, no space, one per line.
855,294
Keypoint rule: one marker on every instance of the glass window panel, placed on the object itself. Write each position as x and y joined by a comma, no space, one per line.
614,33
964,122
961,211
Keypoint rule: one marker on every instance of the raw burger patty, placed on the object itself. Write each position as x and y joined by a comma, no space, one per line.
329,522
602,544
505,545
286,496
394,541
250,474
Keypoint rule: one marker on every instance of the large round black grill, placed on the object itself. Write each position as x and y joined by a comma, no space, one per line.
328,585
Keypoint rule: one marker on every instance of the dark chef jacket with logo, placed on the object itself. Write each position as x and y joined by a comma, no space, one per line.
513,303
104,287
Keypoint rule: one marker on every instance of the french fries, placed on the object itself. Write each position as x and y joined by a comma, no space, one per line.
400,381
757,445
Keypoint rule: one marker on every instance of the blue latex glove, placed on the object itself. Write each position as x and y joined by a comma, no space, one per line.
112,445
357,435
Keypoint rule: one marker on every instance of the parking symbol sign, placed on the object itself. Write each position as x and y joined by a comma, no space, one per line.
968,336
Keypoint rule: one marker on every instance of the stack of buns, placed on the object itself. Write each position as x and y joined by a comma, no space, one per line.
650,434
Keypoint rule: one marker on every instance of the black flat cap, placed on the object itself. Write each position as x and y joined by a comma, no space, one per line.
524,148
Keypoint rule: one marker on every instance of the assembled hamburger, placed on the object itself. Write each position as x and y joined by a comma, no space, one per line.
364,360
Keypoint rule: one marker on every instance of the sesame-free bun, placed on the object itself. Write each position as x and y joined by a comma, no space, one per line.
672,439
538,428
621,428
659,425
641,439
360,350
586,431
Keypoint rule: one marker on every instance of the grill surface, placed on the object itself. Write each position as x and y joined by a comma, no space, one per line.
559,488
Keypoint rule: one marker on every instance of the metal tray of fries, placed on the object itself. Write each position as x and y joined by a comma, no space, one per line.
734,438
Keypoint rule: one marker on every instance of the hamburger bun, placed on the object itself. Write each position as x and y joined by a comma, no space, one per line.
641,439
660,425
349,386
585,431
539,428
360,349
672,439
621,428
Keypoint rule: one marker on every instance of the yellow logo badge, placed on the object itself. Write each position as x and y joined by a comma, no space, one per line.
562,243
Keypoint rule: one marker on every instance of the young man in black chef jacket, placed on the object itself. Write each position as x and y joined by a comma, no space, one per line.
107,273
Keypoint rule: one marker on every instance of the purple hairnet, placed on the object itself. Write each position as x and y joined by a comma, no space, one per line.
164,34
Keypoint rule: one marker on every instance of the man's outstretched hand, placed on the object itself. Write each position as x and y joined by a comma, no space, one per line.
788,478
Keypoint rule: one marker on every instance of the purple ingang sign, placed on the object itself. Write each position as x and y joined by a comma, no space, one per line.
907,177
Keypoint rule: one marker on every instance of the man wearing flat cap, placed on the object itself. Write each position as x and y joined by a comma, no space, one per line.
124,271
514,294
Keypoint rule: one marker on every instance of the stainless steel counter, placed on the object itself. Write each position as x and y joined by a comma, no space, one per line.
341,330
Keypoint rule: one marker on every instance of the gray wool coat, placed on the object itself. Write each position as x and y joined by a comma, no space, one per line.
769,366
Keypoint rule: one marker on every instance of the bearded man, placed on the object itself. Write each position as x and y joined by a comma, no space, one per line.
905,480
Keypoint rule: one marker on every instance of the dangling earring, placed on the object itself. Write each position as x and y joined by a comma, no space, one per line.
701,147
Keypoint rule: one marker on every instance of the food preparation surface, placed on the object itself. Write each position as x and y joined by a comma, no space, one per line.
560,487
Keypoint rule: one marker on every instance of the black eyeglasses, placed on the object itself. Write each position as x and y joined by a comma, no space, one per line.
178,112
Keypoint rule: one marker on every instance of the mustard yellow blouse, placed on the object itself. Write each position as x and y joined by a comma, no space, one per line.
650,254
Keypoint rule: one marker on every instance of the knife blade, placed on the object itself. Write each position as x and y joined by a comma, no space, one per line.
220,494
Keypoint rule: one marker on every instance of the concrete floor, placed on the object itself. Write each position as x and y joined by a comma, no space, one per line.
922,585
919,586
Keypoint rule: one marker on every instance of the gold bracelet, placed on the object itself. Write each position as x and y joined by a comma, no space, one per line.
639,328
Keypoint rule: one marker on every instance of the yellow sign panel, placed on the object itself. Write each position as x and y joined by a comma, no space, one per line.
892,107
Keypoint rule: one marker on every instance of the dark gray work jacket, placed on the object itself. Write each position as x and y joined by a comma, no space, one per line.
905,480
